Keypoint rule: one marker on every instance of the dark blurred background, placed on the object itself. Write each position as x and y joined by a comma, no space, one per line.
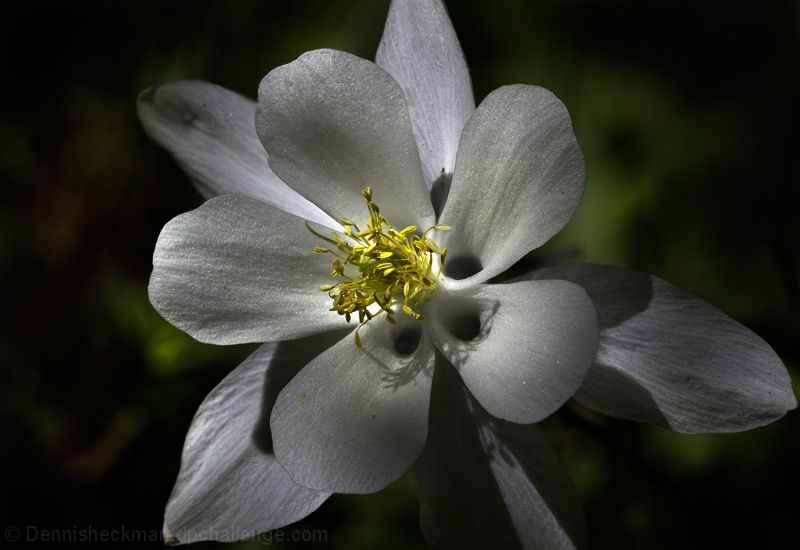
686,113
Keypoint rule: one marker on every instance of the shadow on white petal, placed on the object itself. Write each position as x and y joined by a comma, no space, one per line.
439,191
230,485
489,483
673,359
469,323
522,349
289,359
638,404
404,338
615,305
607,378
355,418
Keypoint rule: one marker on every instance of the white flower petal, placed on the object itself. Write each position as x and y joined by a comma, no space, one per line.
488,483
355,419
420,50
670,358
211,133
518,179
333,125
522,349
238,270
230,485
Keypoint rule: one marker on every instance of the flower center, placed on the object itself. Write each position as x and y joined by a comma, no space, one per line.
388,264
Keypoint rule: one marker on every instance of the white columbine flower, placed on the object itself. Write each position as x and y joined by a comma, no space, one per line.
368,154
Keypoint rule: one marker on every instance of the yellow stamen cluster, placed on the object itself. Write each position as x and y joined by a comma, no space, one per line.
388,264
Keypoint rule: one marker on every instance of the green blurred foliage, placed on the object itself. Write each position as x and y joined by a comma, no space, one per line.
686,113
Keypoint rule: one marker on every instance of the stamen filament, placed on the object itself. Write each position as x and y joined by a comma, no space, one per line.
389,263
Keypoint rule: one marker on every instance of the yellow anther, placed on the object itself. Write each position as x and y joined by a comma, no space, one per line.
431,246
388,262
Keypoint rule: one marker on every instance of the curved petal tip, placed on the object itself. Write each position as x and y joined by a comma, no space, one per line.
169,538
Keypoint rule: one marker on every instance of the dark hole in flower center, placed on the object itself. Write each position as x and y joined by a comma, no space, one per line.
407,342
461,267
465,326
439,191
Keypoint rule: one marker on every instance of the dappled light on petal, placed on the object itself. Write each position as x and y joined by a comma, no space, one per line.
522,349
488,483
355,418
229,486
670,358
